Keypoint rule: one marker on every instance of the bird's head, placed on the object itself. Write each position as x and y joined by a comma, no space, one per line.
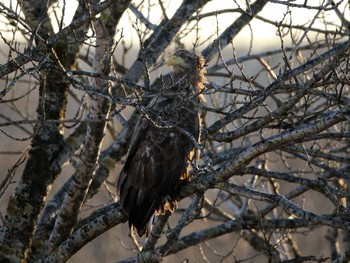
185,61
190,64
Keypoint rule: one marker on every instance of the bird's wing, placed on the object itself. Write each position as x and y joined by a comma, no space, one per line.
157,158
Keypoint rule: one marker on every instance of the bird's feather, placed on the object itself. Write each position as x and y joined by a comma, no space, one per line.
161,149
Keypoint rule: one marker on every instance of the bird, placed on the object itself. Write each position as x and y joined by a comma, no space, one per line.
165,142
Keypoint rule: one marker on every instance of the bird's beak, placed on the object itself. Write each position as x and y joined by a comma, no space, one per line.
174,61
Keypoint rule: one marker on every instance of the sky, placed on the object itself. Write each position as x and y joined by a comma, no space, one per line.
262,32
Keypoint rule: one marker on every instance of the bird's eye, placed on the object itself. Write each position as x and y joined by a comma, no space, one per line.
187,59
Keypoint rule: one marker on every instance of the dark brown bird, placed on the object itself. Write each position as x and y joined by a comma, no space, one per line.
163,143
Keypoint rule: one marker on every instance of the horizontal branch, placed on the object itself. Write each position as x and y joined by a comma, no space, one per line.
319,184
286,204
224,172
227,227
233,226
277,140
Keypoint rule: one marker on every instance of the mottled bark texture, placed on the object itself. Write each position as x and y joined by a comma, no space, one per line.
39,173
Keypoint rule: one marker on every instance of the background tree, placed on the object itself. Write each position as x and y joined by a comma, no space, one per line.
272,182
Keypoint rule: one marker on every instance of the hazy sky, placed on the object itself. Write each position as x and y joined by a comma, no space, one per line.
263,33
